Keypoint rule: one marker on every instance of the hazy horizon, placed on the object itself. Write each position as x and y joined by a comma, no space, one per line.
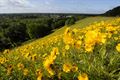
57,6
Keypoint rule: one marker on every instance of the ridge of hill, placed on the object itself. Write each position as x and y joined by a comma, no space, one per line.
113,12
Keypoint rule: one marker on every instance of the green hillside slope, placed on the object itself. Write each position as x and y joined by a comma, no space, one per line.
87,50
79,24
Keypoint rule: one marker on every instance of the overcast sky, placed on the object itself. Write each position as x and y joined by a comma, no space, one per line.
57,6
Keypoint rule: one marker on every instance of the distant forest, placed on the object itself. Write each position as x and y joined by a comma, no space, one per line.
18,28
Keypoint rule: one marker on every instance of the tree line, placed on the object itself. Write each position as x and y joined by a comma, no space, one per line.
113,12
16,30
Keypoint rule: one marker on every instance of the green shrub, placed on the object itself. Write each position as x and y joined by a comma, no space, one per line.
37,30
70,21
16,33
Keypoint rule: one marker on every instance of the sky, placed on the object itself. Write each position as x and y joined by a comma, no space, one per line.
57,6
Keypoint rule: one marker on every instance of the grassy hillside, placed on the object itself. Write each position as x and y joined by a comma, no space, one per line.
79,24
89,49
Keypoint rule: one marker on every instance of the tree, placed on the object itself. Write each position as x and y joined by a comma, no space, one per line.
37,30
70,21
4,43
17,33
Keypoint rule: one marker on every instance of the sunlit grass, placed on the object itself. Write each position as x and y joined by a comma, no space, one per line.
86,50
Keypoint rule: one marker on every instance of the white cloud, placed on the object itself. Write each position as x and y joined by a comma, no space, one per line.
3,2
23,6
21,3
15,6
14,3
48,2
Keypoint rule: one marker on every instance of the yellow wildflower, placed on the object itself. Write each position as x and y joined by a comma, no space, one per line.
116,38
50,60
75,30
6,51
89,48
67,67
67,38
27,55
39,78
74,68
67,47
116,32
34,57
101,38
55,51
59,75
109,35
93,37
44,55
47,64
9,69
25,71
78,44
110,28
67,31
118,47
50,71
20,66
83,76
80,37
39,74
2,60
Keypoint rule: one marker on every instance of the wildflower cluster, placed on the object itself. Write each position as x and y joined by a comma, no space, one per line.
89,53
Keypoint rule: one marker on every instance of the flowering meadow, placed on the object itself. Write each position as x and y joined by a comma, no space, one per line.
89,53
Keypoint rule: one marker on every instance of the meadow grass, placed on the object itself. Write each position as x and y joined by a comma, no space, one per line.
87,50
79,24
